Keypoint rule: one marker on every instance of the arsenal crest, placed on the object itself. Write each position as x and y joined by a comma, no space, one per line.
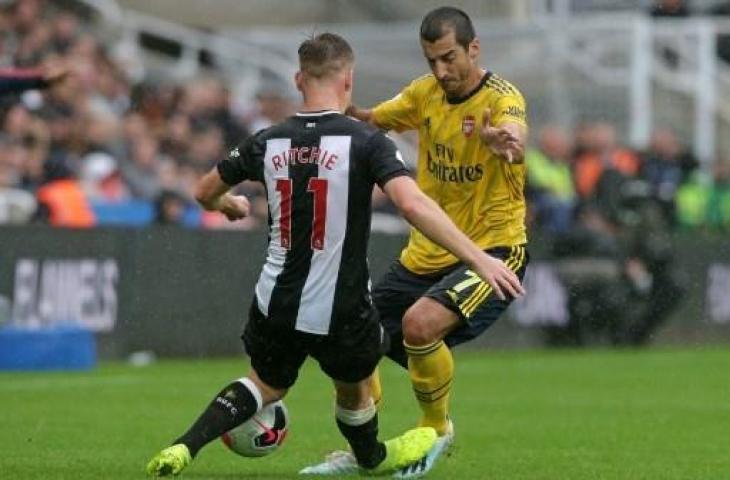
468,125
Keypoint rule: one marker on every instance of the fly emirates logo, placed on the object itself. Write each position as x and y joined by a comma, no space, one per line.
441,166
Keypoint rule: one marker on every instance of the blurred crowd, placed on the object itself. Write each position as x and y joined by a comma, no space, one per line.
605,214
571,176
115,150
103,146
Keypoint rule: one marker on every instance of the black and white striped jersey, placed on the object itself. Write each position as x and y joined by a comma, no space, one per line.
319,170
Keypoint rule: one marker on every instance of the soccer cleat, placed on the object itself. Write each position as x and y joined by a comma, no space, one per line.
399,452
170,461
427,462
338,462
404,450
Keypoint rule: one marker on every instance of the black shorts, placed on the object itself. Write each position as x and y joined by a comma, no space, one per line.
456,287
277,353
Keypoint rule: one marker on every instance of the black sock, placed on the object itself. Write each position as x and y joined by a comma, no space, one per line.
363,439
231,407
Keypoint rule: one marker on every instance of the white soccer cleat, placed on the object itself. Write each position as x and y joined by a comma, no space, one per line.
425,464
338,462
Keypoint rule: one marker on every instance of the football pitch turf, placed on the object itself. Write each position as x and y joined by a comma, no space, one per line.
644,414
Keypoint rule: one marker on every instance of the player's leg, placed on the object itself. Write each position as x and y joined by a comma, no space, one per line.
457,309
235,404
430,363
357,420
431,368
393,295
275,365
350,362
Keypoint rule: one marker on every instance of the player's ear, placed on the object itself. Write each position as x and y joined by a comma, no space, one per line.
299,80
349,79
473,50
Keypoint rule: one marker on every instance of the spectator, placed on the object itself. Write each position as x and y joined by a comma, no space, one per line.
177,136
141,170
14,80
170,208
64,28
61,200
550,181
206,146
273,104
602,153
101,179
692,201
16,205
666,166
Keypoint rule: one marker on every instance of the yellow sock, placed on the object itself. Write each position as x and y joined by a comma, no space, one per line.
376,391
432,368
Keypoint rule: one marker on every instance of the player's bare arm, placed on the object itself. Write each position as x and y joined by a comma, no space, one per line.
424,214
213,194
507,140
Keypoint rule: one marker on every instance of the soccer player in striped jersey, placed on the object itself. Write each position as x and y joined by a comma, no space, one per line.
312,298
472,129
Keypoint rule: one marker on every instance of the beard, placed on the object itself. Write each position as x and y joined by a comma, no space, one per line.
455,86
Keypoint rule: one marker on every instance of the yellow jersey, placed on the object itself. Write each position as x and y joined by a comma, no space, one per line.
481,192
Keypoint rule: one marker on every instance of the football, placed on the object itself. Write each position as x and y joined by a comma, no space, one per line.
262,434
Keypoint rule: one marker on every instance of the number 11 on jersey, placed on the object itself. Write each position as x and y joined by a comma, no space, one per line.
318,188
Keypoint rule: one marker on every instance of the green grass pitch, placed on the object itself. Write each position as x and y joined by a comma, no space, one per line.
653,414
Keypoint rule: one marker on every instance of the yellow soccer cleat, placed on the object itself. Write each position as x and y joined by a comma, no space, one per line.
170,461
405,450
423,466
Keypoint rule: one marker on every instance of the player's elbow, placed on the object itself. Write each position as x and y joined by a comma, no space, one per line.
410,207
406,197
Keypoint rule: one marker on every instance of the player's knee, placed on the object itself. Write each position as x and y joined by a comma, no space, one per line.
268,393
419,327
353,396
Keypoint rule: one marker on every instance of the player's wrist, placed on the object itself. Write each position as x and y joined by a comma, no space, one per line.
219,203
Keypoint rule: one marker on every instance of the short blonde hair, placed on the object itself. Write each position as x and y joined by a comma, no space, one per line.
324,55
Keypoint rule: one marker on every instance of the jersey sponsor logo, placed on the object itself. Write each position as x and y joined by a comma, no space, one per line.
467,125
443,152
516,112
456,174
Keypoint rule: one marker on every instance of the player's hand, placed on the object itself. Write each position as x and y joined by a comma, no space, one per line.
498,275
235,207
55,74
499,140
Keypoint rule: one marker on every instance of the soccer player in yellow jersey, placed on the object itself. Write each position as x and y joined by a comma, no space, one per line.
472,130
